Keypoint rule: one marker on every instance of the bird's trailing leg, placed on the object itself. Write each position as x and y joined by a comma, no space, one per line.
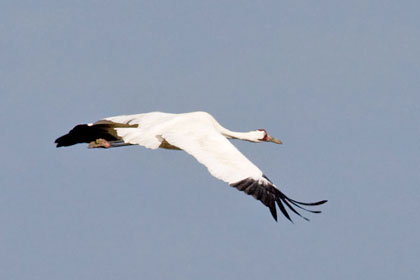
102,143
99,143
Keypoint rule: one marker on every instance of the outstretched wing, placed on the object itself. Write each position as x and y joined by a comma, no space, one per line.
225,162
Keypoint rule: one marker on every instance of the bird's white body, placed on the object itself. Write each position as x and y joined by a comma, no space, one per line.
198,134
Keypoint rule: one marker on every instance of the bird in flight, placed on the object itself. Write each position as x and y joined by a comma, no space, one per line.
200,135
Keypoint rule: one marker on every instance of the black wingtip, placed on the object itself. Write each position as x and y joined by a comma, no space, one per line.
269,195
309,203
59,141
86,133
283,209
273,210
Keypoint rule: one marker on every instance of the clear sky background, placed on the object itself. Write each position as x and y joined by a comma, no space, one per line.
338,82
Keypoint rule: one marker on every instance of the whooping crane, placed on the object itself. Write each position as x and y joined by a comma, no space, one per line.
201,136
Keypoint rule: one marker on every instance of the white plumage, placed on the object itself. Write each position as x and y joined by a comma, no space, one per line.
198,134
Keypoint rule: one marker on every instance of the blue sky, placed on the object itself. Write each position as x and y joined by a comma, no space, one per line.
337,82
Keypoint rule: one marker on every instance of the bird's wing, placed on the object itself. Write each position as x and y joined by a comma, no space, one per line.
225,162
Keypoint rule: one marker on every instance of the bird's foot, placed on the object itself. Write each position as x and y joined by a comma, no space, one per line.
99,143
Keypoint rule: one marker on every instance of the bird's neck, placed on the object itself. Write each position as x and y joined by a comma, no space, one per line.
252,136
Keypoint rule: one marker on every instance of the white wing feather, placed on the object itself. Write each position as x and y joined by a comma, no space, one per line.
223,160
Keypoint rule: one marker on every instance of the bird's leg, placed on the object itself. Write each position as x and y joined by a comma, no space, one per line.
99,143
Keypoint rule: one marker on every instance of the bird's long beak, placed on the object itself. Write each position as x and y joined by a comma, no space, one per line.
274,140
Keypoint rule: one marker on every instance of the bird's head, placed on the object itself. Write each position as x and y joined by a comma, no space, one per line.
264,137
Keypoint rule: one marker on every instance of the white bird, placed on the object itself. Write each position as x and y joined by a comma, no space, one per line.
201,136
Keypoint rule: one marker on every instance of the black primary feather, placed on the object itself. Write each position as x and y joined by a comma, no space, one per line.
269,196
84,133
